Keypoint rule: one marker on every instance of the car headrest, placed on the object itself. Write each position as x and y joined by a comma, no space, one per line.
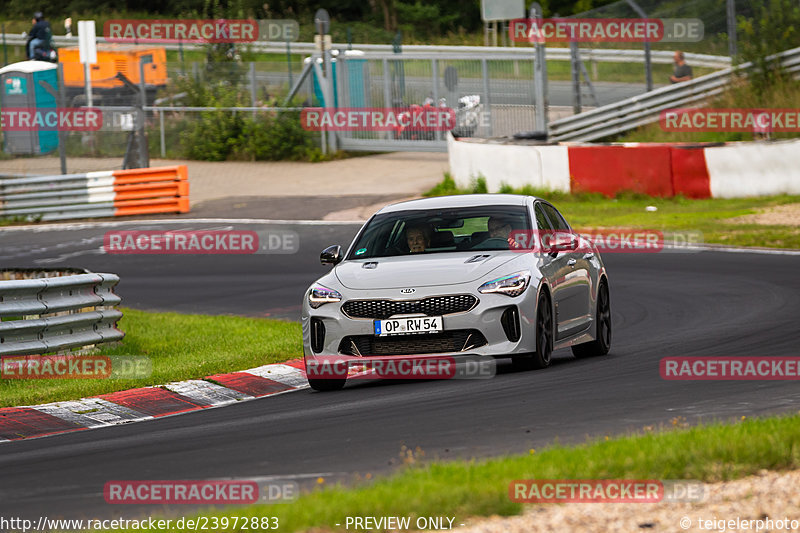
442,239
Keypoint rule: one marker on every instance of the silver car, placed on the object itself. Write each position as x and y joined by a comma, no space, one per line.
453,276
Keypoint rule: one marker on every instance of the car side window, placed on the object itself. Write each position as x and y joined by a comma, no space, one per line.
541,220
555,217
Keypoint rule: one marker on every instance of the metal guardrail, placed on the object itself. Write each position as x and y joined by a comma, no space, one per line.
646,108
51,314
461,52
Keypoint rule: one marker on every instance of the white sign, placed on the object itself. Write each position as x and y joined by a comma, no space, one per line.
318,43
87,41
492,10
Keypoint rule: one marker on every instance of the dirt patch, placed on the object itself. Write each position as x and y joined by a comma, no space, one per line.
772,495
779,215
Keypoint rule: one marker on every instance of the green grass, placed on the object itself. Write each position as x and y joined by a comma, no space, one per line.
464,489
179,346
627,210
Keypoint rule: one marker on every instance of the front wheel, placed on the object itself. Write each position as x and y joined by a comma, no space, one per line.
544,338
325,385
602,343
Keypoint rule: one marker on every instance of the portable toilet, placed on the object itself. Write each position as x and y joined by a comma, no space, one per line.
355,92
25,87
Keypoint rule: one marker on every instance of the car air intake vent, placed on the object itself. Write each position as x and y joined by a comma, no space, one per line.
478,258
433,306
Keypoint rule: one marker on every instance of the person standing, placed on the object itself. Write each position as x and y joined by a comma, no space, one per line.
682,72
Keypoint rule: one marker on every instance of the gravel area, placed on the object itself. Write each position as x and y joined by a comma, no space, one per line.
773,495
779,215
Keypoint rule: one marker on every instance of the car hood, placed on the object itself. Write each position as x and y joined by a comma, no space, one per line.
420,271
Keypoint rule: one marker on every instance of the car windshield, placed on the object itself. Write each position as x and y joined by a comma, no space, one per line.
440,231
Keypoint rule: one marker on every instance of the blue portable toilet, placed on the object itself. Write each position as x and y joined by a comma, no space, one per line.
25,85
356,90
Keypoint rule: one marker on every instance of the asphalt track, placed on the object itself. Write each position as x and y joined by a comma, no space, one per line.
667,304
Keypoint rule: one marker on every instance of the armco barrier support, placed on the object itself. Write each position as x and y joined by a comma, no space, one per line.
609,169
96,194
733,170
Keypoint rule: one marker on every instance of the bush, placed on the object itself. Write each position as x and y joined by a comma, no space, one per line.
273,138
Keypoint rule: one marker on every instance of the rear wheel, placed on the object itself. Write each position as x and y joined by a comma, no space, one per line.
544,338
602,343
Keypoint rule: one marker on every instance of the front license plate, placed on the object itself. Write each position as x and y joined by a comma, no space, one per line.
404,326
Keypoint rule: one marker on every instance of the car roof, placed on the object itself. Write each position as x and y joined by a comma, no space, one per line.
459,200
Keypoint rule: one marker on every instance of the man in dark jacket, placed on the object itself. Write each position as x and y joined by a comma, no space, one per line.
40,33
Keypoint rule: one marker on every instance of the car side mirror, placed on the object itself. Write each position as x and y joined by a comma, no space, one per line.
332,255
563,241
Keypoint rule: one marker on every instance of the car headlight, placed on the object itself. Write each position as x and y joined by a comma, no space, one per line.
512,285
320,295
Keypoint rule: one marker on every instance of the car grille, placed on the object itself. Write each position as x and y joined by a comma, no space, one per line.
433,306
457,340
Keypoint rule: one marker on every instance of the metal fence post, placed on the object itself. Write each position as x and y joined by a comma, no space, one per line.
253,87
487,103
435,80
163,141
540,75
732,47
387,93
576,77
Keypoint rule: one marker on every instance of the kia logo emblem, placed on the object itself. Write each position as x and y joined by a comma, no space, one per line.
407,291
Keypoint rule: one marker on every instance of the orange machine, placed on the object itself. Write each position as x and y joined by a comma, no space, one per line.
111,60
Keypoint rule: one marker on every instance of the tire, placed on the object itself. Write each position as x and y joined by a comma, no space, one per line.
602,343
544,339
326,385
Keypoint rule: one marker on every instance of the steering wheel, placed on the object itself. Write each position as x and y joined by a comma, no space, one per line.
493,243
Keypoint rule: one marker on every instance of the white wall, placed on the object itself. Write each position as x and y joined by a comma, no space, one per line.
754,169
545,167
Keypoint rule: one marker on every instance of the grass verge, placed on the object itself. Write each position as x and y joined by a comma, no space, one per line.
464,489
179,346
627,210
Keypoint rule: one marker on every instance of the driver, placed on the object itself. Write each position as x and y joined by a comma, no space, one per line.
40,33
500,228
418,238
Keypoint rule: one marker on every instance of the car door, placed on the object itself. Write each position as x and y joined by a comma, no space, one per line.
574,284
554,265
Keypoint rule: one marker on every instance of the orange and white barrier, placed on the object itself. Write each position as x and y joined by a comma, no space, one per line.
141,191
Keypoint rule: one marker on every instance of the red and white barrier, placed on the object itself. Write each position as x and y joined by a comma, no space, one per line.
731,170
